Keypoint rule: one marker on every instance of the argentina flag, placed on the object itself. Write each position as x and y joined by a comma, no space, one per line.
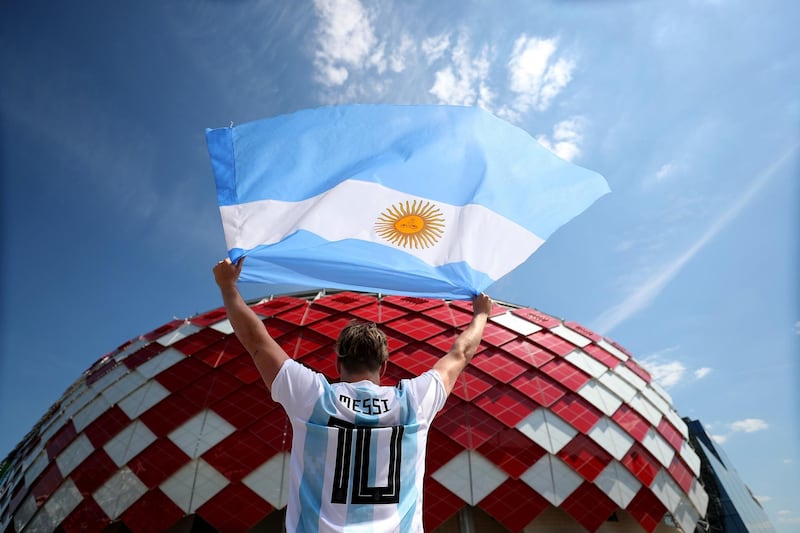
436,201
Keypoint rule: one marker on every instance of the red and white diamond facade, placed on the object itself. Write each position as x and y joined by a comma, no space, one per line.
552,427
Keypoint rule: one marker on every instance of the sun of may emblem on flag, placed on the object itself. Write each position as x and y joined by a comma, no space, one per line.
417,224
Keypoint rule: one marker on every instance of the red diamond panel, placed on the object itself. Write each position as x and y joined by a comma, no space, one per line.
466,305
647,510
61,440
499,365
641,464
182,374
443,342
151,513
300,343
618,347
278,305
87,512
514,504
438,505
681,474
512,451
552,342
211,317
163,330
472,383
106,426
306,315
156,463
566,374
210,389
636,369
323,361
277,327
537,317
528,352
378,313
243,369
411,303
274,430
589,506
394,374
467,425
497,335
333,326
418,328
539,388
632,422
245,405
234,509
142,355
238,455
506,405
602,356
578,412
440,451
100,370
345,301
47,482
221,352
585,457
415,358
93,472
196,342
670,434
574,326
169,413
449,315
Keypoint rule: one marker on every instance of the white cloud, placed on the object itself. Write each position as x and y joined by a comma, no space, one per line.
720,439
786,516
566,139
643,294
465,80
536,75
666,373
400,54
435,47
749,425
345,39
700,373
763,499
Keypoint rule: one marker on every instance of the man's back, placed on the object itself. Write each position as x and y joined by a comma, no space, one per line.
358,450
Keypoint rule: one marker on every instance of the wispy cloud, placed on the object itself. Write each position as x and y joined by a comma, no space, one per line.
644,294
566,139
669,371
464,81
747,425
786,516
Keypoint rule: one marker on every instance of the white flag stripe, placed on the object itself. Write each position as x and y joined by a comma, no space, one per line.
485,240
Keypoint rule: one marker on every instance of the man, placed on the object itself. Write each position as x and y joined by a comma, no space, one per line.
358,449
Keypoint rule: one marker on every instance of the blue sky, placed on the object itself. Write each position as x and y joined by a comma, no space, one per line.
689,108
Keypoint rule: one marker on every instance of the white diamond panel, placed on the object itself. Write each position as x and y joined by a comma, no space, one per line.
690,457
667,492
660,448
587,363
470,476
193,485
686,516
74,454
553,479
124,386
611,438
571,336
134,346
37,467
223,327
656,400
515,323
600,397
25,512
547,430
271,480
678,422
121,491
662,392
89,414
143,399
610,348
62,502
698,497
201,433
646,409
181,333
618,484
157,364
109,377
78,400
618,386
129,442
628,375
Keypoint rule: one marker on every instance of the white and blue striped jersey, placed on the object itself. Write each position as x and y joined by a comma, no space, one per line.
358,450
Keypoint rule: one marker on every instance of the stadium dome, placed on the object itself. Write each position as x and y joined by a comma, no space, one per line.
551,428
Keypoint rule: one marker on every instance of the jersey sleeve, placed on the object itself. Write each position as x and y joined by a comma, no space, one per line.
428,393
297,388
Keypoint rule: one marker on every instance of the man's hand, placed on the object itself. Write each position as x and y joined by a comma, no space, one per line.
226,274
481,304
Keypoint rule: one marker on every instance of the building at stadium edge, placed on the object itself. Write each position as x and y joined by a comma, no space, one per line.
552,428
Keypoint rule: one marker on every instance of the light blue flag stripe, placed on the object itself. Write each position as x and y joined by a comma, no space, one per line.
457,156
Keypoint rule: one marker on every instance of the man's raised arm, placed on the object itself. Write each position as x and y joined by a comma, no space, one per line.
466,344
267,354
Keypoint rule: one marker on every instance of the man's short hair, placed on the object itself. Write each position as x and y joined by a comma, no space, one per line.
362,346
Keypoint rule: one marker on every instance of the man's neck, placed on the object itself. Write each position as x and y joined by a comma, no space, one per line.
361,376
